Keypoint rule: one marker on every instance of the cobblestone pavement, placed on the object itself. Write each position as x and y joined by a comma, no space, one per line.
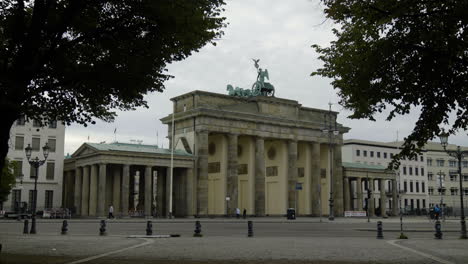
225,241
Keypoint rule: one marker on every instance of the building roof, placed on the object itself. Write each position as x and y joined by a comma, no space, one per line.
362,166
430,146
128,147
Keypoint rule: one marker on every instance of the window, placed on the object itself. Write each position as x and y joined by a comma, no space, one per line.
358,152
18,169
417,203
36,143
385,155
453,191
19,142
391,155
424,203
410,169
417,187
429,162
465,177
51,142
365,153
32,172
404,170
430,190
452,163
36,123
421,158
411,186
465,164
50,170
416,172
423,187
440,163
372,154
406,202
21,121
441,191
466,191
31,199
15,199
422,171
453,177
53,124
430,176
49,199
405,186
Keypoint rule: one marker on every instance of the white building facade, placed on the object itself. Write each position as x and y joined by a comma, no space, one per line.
411,176
443,177
49,181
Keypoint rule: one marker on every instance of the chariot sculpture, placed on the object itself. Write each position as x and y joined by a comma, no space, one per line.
260,87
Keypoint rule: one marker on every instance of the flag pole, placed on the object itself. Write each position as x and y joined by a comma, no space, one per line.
172,164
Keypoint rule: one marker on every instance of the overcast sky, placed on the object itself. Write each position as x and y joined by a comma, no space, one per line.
277,32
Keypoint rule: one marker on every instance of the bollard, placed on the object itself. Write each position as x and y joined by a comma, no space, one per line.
438,234
26,227
197,229
149,228
249,229
64,227
379,230
33,225
102,229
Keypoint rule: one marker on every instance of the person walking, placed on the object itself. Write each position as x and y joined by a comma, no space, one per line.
237,213
111,212
244,214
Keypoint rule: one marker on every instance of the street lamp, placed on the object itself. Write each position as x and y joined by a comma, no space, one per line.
36,163
331,130
458,154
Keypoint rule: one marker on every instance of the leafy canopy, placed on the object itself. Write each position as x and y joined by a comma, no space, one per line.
8,179
73,60
400,55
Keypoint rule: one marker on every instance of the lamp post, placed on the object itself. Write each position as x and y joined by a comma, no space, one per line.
331,130
441,176
36,163
458,154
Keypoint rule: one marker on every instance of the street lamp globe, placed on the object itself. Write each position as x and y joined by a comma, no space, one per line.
45,150
28,151
444,139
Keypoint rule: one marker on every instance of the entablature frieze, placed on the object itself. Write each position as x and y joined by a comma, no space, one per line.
352,173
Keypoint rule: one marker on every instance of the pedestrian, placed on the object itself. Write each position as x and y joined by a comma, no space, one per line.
111,212
436,211
244,214
237,212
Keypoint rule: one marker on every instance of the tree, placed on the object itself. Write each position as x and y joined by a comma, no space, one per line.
77,60
8,179
400,55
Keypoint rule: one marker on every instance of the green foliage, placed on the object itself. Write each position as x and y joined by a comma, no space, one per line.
8,179
75,60
401,56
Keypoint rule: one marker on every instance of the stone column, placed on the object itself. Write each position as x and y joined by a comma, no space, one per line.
101,204
190,192
160,195
85,192
201,151
148,193
93,190
394,197
292,174
78,192
259,176
315,187
116,190
359,193
370,202
338,182
232,179
347,196
383,199
125,190
168,193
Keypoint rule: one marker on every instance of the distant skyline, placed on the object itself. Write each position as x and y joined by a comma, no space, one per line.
280,34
